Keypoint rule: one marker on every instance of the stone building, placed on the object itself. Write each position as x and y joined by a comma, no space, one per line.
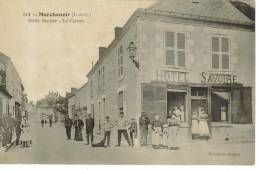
189,54
11,83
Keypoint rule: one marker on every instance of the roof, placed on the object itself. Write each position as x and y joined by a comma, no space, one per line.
218,9
245,8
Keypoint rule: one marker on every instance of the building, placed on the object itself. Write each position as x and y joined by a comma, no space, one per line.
11,83
77,101
188,53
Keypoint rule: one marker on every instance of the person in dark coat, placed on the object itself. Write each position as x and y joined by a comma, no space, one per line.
50,121
78,125
143,123
18,129
10,127
90,124
42,122
68,124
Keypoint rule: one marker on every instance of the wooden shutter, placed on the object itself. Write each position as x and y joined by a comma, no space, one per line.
154,101
1,107
241,106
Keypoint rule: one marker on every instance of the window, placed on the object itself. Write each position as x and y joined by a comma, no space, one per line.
220,53
99,81
120,61
103,77
175,49
91,88
120,101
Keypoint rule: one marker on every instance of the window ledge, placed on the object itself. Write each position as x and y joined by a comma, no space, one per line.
221,124
219,70
173,68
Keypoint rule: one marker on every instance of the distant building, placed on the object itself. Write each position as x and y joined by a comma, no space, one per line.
77,101
12,84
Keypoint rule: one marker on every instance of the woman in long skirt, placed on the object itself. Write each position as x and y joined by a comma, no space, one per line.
25,133
173,138
203,125
156,132
78,125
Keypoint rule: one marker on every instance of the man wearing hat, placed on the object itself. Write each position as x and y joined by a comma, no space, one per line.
143,123
122,129
90,124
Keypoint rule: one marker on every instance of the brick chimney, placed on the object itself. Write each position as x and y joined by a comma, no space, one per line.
102,51
118,31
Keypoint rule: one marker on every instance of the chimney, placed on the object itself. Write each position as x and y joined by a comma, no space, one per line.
102,51
118,31
73,89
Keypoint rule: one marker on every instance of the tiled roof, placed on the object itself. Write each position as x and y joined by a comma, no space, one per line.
218,9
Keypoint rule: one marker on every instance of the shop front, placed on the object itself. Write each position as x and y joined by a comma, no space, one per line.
223,106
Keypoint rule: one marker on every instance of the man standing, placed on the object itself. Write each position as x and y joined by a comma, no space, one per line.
18,129
133,131
10,127
122,129
143,122
90,124
50,121
68,124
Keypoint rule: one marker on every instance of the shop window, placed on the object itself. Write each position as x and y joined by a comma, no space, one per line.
220,53
176,102
198,92
220,102
175,49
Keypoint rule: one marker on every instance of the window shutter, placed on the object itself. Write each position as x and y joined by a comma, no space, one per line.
181,41
169,39
224,45
170,57
1,108
215,44
225,61
215,61
181,58
241,104
154,101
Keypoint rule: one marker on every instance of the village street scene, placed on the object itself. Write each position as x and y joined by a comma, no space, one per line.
174,85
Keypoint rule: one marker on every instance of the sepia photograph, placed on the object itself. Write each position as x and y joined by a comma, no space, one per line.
127,82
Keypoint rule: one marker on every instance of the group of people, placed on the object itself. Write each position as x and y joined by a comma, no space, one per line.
21,127
45,121
164,135
123,127
200,127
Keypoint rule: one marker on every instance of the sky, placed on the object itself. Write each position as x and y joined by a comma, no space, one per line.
57,56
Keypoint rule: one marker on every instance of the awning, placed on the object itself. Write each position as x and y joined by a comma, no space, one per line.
223,95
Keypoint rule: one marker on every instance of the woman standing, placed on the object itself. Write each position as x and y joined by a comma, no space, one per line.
26,133
173,141
157,129
203,125
78,125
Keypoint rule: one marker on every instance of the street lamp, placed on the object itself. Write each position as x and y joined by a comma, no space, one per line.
132,53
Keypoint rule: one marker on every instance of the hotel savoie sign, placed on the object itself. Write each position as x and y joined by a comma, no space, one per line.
206,78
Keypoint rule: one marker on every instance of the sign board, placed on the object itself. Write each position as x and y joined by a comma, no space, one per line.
170,76
218,78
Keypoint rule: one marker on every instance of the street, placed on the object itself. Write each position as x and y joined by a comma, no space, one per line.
51,147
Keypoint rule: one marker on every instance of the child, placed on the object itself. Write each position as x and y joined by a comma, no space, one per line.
157,128
133,131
